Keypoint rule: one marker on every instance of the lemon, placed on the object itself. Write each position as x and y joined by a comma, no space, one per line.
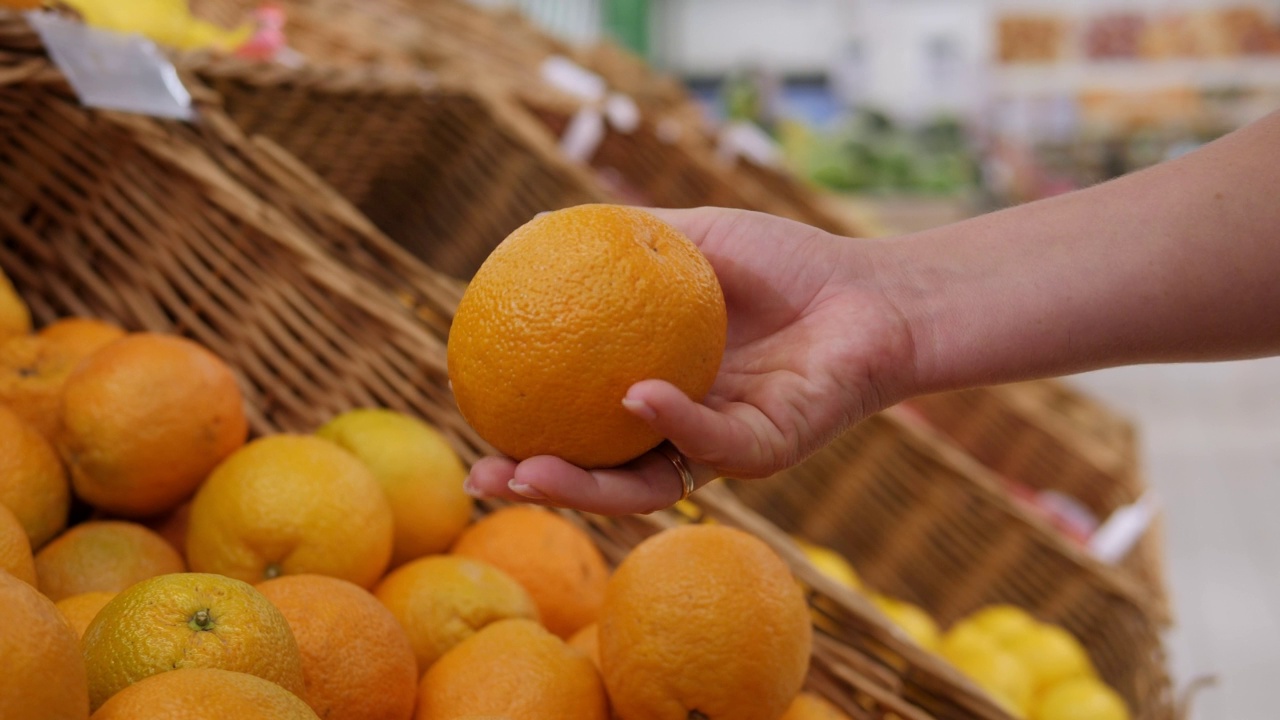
419,471
1051,654
965,638
830,563
998,672
1002,622
915,622
1081,698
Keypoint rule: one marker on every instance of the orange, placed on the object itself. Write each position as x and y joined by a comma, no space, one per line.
204,694
419,471
80,610
44,676
569,312
105,555
356,659
33,483
34,368
808,706
15,548
288,505
587,641
172,526
145,419
513,668
442,600
188,620
553,559
703,619
15,318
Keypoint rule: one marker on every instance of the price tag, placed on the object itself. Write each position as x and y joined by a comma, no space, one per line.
113,71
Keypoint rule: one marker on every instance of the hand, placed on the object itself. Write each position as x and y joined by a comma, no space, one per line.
813,346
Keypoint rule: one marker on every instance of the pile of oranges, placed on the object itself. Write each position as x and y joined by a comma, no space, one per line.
156,562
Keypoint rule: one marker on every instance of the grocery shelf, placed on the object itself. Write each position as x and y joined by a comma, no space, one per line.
1136,75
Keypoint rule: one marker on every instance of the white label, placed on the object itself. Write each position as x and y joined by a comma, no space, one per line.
113,71
570,77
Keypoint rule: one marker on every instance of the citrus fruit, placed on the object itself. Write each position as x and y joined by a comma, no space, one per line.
513,668
565,315
808,706
34,368
188,620
204,694
33,483
291,504
964,638
44,675
356,659
555,560
1051,654
15,548
1080,698
418,470
587,641
145,419
172,526
105,555
998,672
703,619
15,318
830,563
1002,622
442,600
80,610
911,619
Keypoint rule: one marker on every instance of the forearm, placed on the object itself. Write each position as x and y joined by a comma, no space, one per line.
1179,262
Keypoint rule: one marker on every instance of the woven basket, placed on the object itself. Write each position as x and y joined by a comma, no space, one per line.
923,521
1049,436
198,231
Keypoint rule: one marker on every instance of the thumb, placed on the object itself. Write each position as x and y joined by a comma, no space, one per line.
709,437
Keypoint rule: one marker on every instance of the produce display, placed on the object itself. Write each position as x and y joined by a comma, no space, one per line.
272,577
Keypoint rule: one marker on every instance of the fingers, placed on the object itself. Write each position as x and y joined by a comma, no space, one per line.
648,483
705,435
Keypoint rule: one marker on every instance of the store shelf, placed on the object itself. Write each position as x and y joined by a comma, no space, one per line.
1136,76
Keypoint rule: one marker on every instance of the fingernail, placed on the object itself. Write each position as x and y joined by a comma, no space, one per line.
639,408
469,487
526,490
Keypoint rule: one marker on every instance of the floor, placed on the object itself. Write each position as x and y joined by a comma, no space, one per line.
1211,443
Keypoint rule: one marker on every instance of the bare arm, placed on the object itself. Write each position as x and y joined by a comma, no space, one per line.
1180,262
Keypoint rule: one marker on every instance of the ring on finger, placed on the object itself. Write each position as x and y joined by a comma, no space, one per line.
687,484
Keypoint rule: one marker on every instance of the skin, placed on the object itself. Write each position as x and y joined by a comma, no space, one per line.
1175,263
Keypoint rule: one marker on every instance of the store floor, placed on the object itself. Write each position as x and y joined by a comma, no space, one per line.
1211,443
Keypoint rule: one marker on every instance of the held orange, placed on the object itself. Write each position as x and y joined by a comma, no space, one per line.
703,621
565,315
145,419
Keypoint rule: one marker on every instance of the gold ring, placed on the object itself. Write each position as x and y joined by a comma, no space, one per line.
677,460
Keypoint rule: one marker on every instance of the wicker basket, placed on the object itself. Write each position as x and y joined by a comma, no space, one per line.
1049,436
196,230
923,521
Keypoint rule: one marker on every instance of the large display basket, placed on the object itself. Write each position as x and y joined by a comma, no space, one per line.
197,230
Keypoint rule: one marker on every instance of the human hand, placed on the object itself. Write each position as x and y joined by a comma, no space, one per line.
813,346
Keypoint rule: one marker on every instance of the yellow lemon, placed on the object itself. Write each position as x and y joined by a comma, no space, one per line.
1050,654
1081,698
965,638
830,563
1003,622
999,673
914,621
